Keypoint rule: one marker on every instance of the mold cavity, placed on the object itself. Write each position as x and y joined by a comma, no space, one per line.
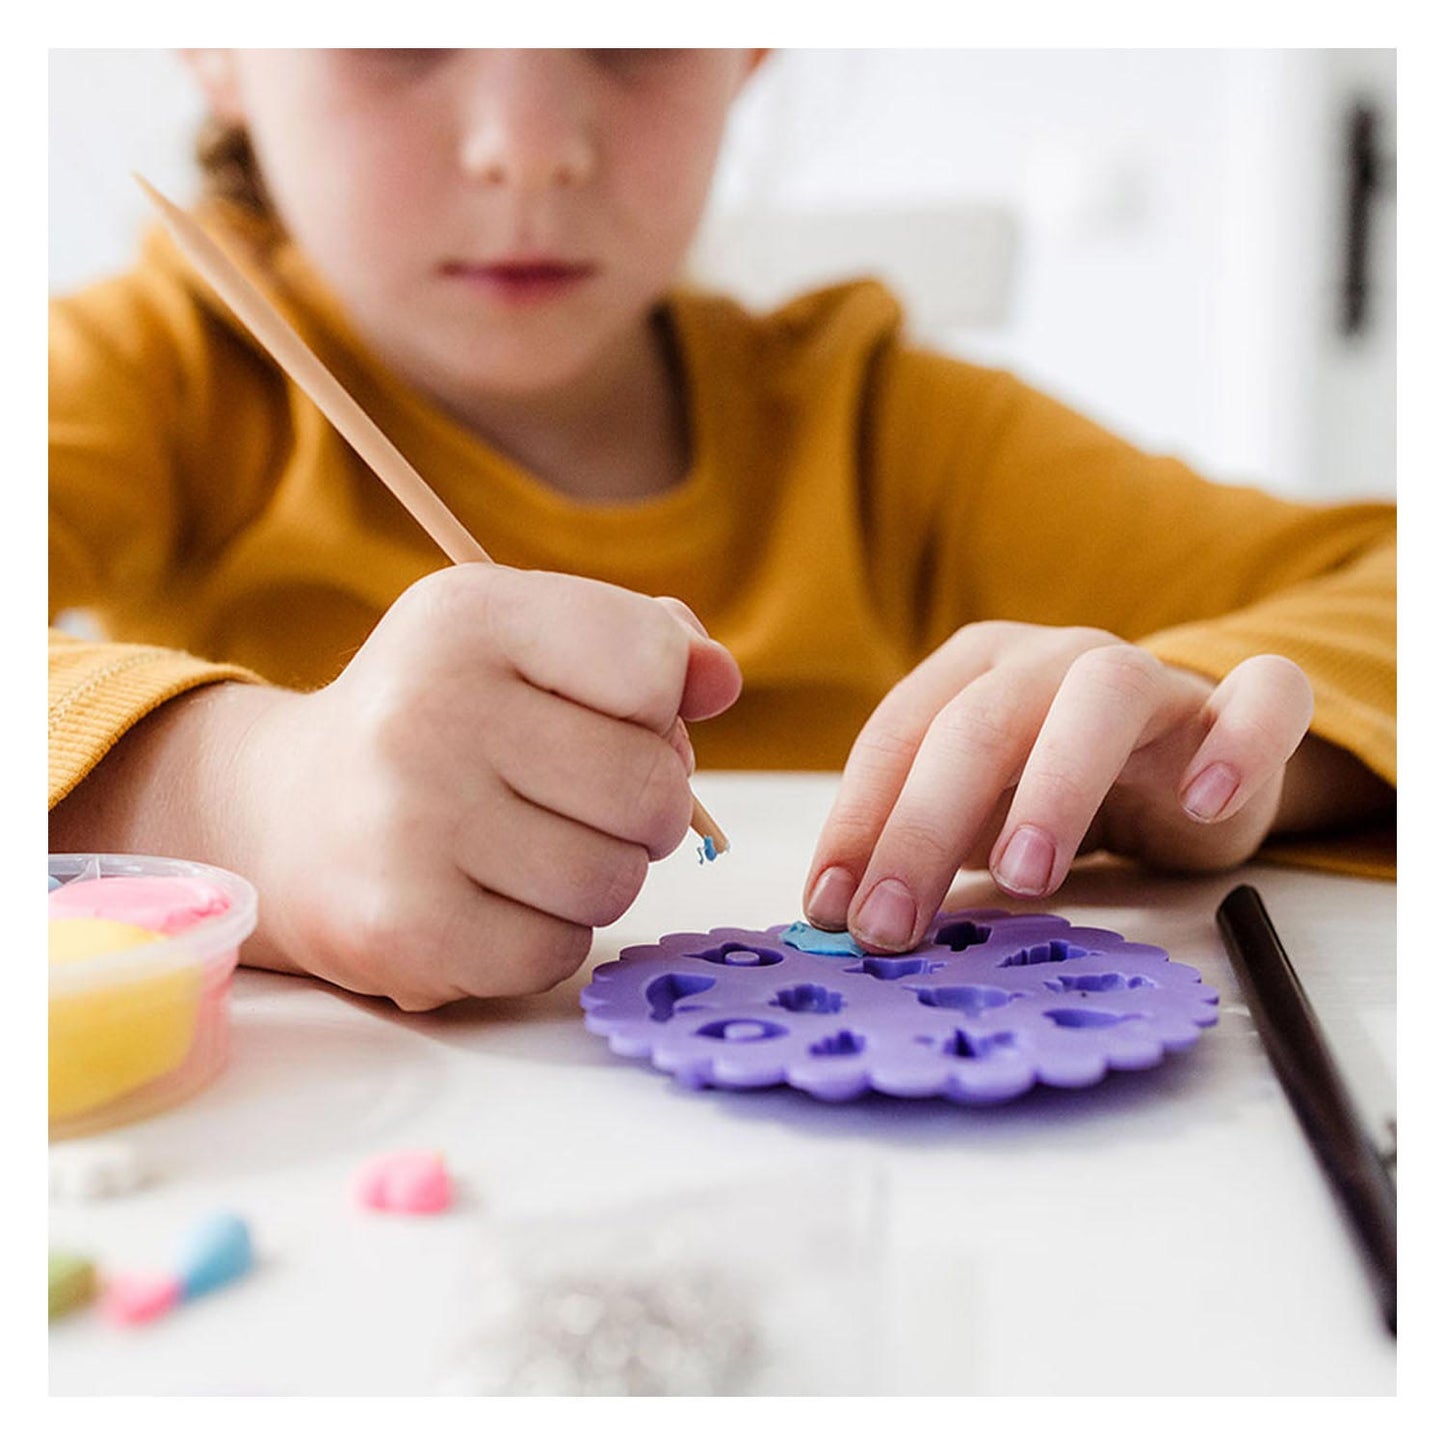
844,1042
664,994
1085,1018
809,998
739,955
742,1031
965,1046
1054,951
959,936
892,969
967,998
1095,983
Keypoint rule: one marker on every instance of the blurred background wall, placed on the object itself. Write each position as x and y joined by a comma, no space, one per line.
1161,238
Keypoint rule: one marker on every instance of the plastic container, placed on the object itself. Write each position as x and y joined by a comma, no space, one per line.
137,1030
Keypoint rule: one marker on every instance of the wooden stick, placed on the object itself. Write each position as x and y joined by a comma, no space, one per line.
306,369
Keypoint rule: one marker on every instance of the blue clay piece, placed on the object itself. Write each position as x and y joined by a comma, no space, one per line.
217,1252
807,939
707,851
54,883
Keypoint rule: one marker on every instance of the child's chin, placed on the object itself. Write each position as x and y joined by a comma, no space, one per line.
534,367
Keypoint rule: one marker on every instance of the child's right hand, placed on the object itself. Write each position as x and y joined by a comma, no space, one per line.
483,784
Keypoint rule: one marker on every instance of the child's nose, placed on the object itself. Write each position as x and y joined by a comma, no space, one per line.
525,120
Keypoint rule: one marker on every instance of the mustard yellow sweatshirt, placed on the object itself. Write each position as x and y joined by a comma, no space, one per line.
851,501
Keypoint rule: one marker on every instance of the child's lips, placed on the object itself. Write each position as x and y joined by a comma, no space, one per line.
521,282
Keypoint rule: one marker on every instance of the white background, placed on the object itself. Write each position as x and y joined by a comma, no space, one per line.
1152,235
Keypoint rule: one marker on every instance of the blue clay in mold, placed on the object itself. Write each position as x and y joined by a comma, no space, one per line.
807,939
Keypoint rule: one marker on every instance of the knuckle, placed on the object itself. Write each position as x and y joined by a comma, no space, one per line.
990,632
915,842
1081,638
881,753
1063,792
425,599
852,825
553,951
394,719
978,721
415,1001
1120,668
502,602
440,603
972,634
618,888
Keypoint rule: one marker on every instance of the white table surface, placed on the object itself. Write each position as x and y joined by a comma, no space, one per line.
1166,1232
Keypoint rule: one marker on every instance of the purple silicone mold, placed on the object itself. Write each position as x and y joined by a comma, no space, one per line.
990,1004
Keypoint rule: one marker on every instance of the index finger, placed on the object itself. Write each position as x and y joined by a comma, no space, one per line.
614,651
877,768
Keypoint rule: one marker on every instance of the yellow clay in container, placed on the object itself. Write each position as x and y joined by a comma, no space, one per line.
72,939
110,1039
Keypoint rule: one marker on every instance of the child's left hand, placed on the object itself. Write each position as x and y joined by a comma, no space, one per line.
1017,747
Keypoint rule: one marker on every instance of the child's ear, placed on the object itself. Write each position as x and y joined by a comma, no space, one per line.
215,73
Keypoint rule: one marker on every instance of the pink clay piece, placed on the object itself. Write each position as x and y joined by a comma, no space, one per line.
133,1299
163,905
411,1182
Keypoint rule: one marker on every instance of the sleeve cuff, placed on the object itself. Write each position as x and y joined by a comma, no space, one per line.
100,690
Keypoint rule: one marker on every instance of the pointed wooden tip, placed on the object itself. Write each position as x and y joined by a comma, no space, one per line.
170,212
149,189
715,841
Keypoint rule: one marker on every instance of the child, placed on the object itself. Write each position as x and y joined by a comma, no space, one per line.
1035,639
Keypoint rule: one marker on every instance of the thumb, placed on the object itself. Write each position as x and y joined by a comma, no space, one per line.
714,679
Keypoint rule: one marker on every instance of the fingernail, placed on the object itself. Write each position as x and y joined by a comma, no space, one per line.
887,916
1205,798
831,895
1028,862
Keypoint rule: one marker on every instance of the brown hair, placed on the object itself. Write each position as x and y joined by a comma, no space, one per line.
228,165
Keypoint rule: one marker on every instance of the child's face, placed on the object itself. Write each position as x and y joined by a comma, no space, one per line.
494,221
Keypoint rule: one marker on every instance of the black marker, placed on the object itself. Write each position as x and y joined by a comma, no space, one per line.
1302,1060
